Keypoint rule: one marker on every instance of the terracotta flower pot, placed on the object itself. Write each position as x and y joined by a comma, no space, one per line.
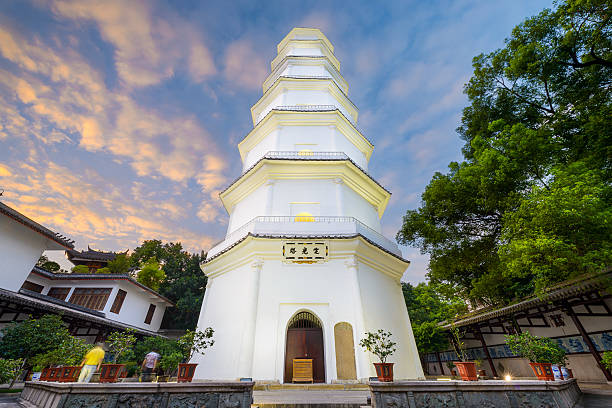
384,371
69,373
467,370
44,374
543,371
54,374
185,372
110,372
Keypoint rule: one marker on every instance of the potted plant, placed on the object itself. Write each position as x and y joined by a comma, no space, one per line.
168,363
120,346
481,372
190,343
467,369
541,352
380,344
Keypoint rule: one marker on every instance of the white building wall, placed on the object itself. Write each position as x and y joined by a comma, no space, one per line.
20,248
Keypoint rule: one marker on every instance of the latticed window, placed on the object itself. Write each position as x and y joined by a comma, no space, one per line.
58,293
92,298
150,314
118,301
304,320
34,287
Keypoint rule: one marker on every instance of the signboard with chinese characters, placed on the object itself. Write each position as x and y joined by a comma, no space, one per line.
305,251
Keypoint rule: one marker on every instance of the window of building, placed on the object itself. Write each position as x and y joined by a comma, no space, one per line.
118,301
150,314
59,293
92,298
34,287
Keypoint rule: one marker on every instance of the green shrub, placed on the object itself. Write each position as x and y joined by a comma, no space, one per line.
69,352
536,349
607,359
9,369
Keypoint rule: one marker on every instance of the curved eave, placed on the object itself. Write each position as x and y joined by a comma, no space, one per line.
231,253
306,169
305,61
297,84
276,118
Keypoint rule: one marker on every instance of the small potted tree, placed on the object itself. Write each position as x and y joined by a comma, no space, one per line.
120,346
379,343
467,369
541,352
190,343
168,364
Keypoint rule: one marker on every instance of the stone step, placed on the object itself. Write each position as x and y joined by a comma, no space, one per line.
311,398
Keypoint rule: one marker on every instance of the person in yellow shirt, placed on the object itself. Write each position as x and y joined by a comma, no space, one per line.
91,363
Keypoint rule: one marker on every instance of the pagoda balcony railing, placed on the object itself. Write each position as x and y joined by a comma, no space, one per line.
304,226
306,155
305,108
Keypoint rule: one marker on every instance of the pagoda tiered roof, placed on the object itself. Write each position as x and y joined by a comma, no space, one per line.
91,255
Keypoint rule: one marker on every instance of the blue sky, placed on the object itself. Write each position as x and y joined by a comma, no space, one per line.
119,123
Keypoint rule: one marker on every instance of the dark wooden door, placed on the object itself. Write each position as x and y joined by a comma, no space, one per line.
305,343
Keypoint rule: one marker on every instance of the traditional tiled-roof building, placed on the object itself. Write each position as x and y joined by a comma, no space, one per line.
92,305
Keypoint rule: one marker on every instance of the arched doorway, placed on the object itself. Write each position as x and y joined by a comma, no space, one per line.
305,340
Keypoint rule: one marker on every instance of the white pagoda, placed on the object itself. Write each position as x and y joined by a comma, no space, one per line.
304,270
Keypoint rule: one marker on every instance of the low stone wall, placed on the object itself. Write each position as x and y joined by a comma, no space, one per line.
162,395
476,394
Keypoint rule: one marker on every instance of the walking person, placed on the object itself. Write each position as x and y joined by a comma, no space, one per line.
91,363
149,364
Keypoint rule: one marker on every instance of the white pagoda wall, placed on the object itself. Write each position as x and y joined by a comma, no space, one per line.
334,199
285,289
295,138
296,97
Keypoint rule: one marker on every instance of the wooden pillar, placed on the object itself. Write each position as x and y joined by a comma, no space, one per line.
589,343
440,362
480,337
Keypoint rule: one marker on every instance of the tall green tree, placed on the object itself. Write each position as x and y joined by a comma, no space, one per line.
184,283
538,150
46,264
151,274
121,264
427,308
